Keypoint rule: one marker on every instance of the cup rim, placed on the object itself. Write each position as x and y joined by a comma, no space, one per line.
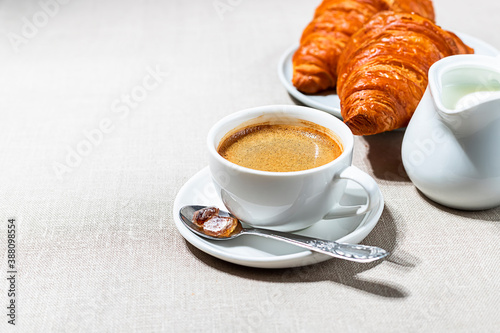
251,113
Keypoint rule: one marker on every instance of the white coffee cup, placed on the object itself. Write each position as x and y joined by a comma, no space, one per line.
288,201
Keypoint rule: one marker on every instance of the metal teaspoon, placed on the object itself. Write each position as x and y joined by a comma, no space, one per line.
352,252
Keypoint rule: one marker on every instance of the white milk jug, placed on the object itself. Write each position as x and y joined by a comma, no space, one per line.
451,147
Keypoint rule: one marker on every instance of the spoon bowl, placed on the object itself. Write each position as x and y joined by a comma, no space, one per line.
352,252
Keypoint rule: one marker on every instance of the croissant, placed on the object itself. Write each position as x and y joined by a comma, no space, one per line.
315,61
383,70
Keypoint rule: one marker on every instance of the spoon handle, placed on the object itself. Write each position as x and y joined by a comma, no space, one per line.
352,252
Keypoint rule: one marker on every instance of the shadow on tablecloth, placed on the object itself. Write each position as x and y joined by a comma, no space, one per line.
384,155
335,270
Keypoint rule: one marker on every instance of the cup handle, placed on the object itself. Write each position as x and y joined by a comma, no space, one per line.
367,183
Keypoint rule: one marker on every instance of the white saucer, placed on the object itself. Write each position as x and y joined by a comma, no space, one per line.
329,101
261,252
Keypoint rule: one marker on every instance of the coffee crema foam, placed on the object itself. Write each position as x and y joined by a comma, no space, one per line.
281,147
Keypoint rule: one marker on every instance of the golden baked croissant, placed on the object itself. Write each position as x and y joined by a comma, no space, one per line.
315,61
383,70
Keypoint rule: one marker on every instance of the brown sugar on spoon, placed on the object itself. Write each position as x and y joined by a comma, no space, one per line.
211,224
203,215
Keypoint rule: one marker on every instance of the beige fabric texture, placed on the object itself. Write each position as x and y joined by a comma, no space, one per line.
90,175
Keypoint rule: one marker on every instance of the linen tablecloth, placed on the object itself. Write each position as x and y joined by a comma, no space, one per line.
105,108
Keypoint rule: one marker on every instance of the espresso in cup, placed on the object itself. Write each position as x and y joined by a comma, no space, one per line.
319,146
280,147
